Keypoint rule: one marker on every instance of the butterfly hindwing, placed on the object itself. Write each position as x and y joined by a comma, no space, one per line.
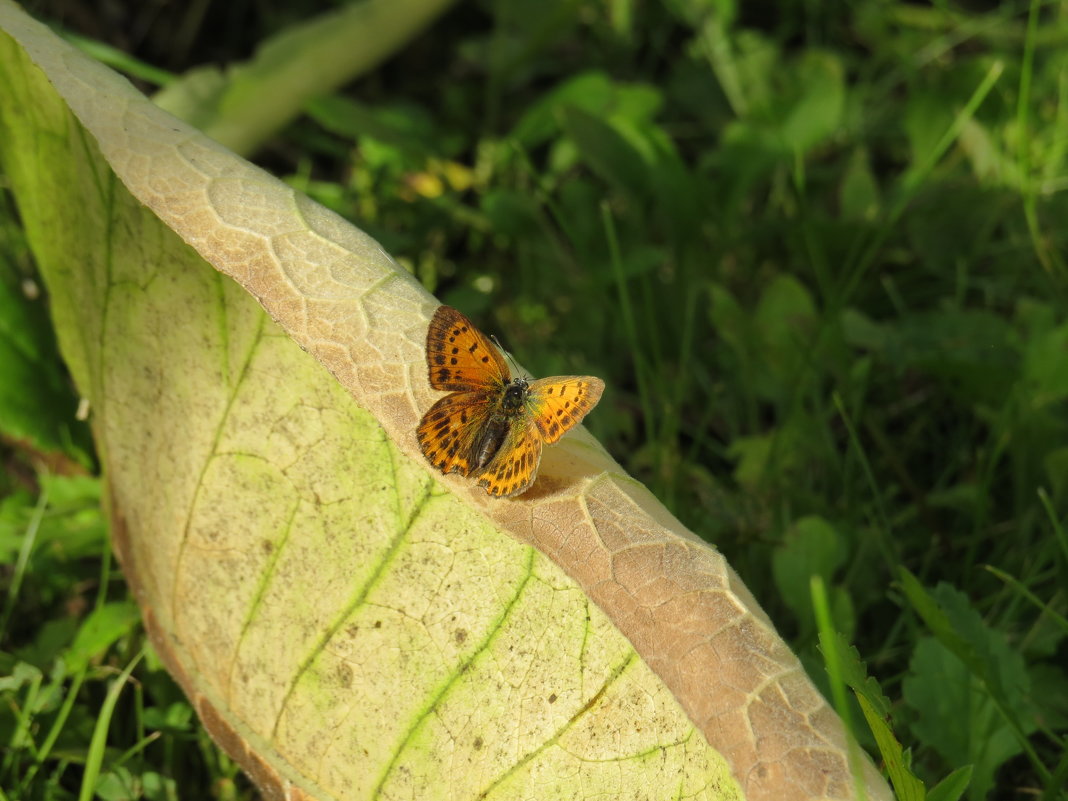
459,357
515,466
559,403
448,431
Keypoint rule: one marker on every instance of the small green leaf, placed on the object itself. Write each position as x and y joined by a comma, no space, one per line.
968,672
157,787
728,318
861,331
972,351
937,621
50,641
769,457
36,399
102,628
817,113
953,786
927,117
593,92
21,675
1046,367
855,674
858,194
407,127
955,716
609,154
509,212
906,785
811,548
118,784
786,316
177,716
751,457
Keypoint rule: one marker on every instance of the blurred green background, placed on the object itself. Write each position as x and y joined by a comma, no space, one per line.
816,251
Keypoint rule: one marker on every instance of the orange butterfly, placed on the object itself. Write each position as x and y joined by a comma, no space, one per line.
492,426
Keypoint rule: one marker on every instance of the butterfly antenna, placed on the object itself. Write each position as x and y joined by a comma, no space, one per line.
507,355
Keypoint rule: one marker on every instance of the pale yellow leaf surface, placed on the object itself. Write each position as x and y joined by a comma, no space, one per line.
349,623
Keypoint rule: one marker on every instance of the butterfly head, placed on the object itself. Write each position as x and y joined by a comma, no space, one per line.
515,395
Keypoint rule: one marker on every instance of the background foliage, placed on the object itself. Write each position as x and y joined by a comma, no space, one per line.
815,250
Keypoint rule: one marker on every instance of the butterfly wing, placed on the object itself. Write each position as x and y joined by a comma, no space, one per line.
459,357
448,430
559,403
515,466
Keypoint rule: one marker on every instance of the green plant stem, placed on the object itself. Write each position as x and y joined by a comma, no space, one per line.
630,327
832,661
95,757
29,538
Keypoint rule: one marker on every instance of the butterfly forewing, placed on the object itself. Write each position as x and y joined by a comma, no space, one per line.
559,403
459,357
448,431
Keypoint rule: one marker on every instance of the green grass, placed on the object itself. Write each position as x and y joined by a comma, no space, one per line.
816,251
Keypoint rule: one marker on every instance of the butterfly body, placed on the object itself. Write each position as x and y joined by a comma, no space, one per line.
510,407
492,426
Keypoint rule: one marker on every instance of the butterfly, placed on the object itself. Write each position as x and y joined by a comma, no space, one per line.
492,426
